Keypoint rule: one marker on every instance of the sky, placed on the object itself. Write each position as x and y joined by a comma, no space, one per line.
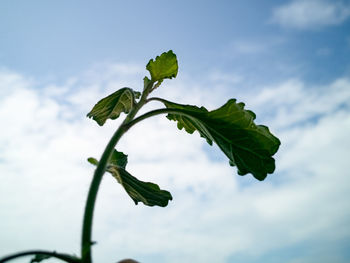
288,61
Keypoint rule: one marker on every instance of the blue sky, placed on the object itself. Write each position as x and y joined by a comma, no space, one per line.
287,60
66,37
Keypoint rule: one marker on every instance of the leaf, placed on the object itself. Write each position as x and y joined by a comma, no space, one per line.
146,82
163,67
92,161
148,193
248,146
118,159
111,106
39,258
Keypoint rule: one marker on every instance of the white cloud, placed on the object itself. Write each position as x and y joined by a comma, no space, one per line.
215,214
252,46
311,14
246,47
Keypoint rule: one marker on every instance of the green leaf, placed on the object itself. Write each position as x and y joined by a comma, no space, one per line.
111,106
119,159
148,193
248,146
146,82
163,67
39,258
92,161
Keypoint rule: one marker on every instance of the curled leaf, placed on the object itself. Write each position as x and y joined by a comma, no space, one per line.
119,159
146,192
111,106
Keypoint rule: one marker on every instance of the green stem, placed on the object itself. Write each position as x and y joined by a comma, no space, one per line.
54,254
90,202
86,241
154,113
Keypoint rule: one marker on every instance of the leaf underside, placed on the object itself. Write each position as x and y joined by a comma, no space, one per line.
248,146
111,106
146,192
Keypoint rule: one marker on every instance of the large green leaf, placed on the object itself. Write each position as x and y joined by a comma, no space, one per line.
111,106
163,67
148,193
248,146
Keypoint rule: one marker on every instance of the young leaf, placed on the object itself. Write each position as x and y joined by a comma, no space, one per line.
119,159
163,67
92,161
248,146
111,106
148,193
146,82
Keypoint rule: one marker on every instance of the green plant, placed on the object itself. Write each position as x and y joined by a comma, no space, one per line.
248,146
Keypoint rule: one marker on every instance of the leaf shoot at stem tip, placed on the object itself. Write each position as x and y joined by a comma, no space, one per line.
163,67
248,146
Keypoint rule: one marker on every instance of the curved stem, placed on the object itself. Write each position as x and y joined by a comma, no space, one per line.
90,203
54,254
86,241
157,99
154,113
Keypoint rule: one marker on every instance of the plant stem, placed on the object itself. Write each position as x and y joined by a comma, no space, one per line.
154,113
54,254
91,199
86,241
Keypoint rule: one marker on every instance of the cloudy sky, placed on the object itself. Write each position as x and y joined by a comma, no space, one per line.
289,61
